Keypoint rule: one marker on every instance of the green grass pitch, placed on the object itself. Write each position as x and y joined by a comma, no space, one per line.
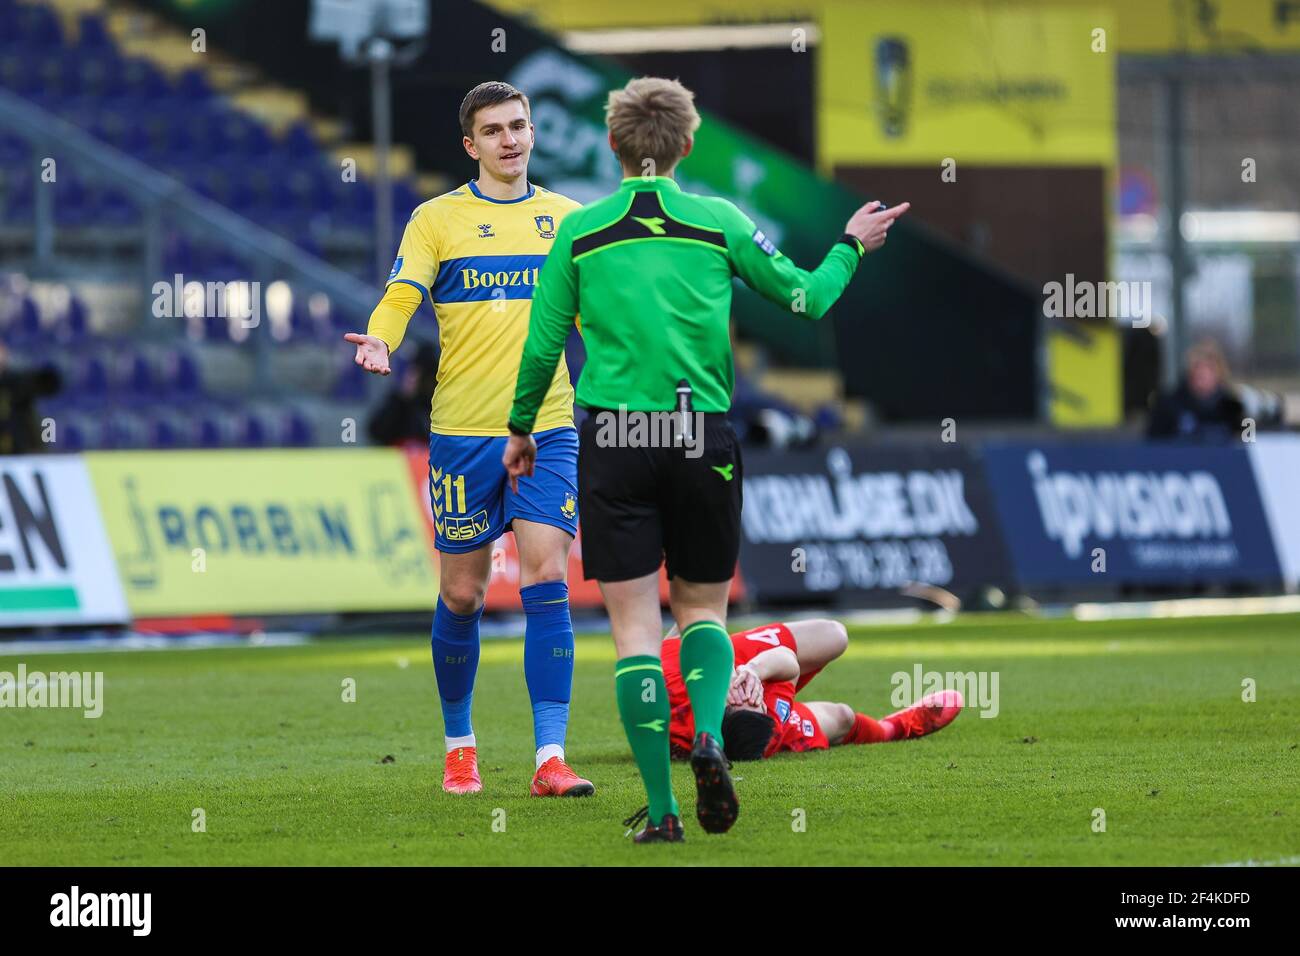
1144,720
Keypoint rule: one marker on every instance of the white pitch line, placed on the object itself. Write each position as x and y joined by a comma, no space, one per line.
1189,607
1284,861
147,642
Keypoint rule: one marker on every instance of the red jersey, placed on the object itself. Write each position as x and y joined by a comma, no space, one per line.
798,728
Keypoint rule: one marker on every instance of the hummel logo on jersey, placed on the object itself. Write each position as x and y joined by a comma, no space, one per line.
724,470
657,725
695,674
654,223
485,230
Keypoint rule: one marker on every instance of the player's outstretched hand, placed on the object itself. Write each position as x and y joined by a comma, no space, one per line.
519,458
372,353
870,224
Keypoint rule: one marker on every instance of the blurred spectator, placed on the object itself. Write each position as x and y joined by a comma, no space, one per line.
764,420
1204,406
20,432
404,415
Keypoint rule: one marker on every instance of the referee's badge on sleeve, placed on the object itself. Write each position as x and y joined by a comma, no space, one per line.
764,243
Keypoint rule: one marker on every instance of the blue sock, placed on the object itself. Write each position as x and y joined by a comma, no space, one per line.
455,662
548,658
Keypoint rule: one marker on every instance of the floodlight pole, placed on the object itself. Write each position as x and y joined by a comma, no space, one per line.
1175,205
380,54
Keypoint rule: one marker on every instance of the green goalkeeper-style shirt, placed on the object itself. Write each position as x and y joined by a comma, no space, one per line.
648,269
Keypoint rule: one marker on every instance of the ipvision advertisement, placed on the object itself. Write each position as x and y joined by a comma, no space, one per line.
1104,514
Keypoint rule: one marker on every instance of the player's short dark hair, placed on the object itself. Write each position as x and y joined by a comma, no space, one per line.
746,733
485,95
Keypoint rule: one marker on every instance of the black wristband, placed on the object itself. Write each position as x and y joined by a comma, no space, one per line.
516,430
853,243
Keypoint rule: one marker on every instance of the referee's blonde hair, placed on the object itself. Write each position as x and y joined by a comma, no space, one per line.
651,118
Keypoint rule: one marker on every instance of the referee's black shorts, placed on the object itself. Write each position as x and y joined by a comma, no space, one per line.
640,506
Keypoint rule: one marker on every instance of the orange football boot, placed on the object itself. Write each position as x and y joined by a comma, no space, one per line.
555,778
932,712
461,772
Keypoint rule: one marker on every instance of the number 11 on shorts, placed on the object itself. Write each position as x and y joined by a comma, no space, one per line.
450,485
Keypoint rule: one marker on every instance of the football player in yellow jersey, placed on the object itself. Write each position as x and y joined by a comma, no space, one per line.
475,253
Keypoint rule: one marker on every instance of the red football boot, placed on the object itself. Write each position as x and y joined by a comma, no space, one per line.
555,778
461,772
932,712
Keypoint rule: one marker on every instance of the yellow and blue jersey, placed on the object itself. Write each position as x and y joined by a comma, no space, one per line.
477,260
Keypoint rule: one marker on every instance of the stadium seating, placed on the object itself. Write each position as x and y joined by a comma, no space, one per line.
122,388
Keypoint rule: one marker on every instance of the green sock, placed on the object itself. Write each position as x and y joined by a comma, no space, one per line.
707,659
643,705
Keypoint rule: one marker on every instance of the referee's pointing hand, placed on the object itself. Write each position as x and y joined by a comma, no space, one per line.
519,458
870,226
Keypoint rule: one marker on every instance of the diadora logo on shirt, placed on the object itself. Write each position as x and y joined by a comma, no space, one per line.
485,230
545,226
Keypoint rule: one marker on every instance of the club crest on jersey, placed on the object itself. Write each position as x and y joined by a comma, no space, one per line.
545,226
570,506
397,267
485,230
782,709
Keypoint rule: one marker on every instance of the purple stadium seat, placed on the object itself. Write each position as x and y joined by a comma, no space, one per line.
193,85
37,28
102,78
209,432
25,324
164,433
93,379
253,431
298,431
19,73
143,79
72,325
138,375
180,375
92,34
350,385
71,437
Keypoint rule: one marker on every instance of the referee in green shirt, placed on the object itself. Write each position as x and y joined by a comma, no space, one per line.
649,270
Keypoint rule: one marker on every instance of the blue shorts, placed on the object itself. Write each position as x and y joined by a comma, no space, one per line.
470,490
